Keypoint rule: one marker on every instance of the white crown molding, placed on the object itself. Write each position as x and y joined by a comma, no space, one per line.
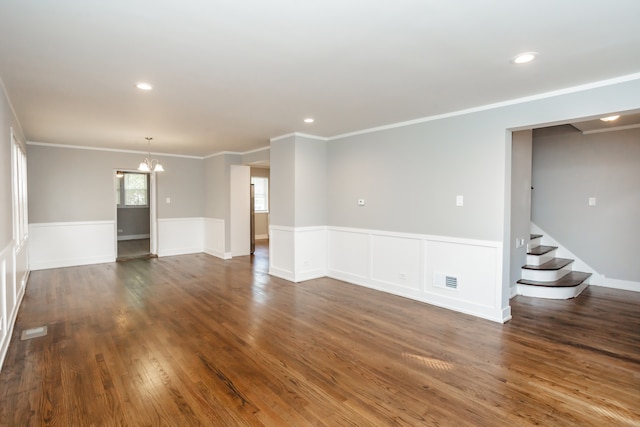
236,153
587,132
13,110
115,150
516,101
303,135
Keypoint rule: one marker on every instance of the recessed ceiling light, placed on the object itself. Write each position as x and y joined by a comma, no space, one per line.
523,58
610,118
144,86
308,120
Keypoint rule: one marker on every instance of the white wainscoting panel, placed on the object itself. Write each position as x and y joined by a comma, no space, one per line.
310,253
349,254
396,262
180,236
298,253
405,264
66,244
476,267
282,252
12,287
214,238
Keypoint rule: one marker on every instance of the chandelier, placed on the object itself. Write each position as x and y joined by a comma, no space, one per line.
149,164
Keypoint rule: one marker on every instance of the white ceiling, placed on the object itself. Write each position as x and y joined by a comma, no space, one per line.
228,75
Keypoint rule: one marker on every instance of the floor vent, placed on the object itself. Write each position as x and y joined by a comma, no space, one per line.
27,334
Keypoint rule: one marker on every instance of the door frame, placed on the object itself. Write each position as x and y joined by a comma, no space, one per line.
153,210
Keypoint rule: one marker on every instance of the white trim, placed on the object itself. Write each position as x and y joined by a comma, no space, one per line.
180,236
516,101
587,132
69,224
214,238
133,237
432,237
222,153
303,135
397,263
552,292
116,150
13,110
9,314
235,153
625,285
403,264
256,150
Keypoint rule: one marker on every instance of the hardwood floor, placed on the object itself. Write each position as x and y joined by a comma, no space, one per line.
195,340
132,249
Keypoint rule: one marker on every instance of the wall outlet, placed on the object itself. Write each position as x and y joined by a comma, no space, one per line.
119,230
459,200
403,276
361,202
592,201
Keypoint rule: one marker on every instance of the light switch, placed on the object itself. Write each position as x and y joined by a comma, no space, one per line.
592,201
168,200
459,200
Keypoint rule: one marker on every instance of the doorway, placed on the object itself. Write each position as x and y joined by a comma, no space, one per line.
133,215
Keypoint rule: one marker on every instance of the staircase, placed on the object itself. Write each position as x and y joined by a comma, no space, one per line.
545,276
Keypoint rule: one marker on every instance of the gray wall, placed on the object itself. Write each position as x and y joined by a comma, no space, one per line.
217,186
68,184
520,227
568,168
183,182
133,221
299,181
283,182
410,177
310,182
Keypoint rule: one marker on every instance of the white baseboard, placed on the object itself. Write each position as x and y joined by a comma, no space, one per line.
133,237
625,285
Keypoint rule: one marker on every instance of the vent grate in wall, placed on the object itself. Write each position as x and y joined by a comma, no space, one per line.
445,281
451,282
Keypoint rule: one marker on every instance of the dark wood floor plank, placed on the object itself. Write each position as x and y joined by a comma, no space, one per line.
194,340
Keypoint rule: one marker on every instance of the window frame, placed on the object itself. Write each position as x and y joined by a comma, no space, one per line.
19,195
121,191
265,195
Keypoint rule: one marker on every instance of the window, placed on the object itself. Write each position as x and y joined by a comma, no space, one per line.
133,189
20,220
260,193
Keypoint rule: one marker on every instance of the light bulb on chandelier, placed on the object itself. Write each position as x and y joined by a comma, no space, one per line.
149,164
